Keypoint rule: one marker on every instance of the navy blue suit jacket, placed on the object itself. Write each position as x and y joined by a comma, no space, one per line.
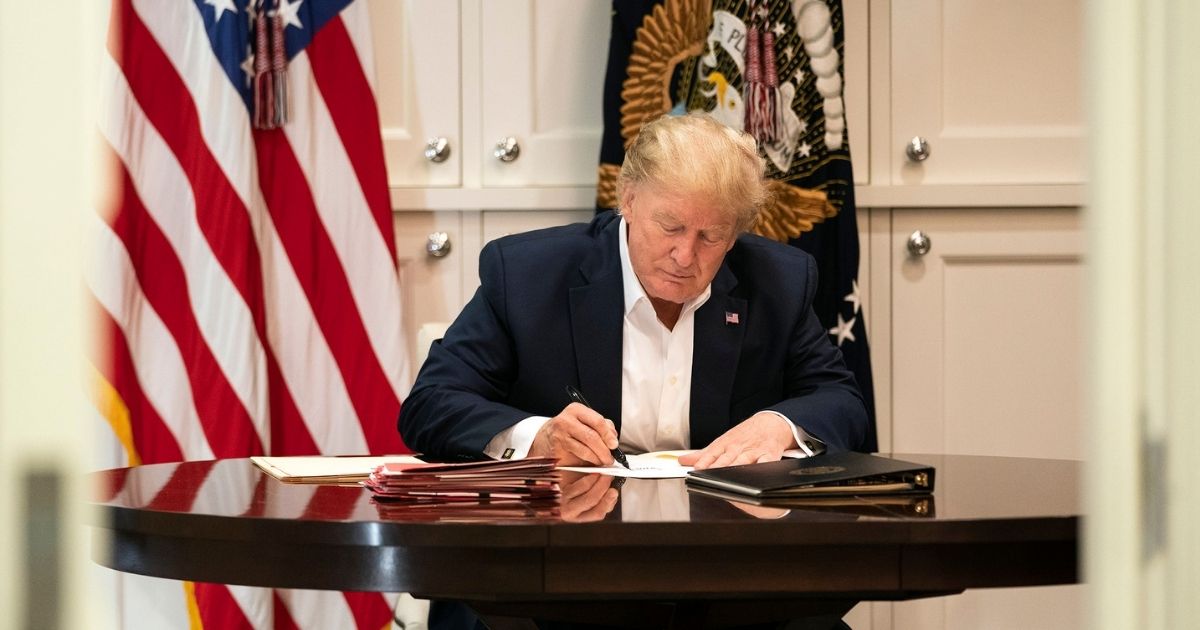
549,314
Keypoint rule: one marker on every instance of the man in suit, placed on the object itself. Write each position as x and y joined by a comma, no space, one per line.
682,331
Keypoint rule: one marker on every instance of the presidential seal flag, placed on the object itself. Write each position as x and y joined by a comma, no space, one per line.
244,280
772,68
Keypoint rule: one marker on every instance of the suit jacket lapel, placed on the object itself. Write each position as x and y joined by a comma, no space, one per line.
720,329
597,312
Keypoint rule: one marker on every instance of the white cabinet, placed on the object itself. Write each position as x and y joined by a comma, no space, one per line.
987,359
542,68
1038,608
987,333
470,73
499,223
995,88
474,73
431,288
418,89
856,64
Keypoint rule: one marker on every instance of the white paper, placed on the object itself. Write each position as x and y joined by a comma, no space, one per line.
319,468
655,465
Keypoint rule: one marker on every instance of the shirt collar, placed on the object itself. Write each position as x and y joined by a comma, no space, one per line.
634,292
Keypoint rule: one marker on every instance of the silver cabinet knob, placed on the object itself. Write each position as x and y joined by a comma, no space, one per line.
919,243
507,149
437,149
438,245
917,149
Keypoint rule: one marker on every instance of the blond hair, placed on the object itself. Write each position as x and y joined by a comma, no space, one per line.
695,154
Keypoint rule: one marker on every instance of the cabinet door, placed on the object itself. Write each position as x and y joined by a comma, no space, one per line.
987,360
497,223
1037,608
430,287
986,333
856,47
994,87
542,69
417,88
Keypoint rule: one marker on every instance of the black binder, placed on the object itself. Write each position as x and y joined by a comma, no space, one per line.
829,474
874,505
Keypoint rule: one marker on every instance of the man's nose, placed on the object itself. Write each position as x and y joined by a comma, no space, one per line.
684,252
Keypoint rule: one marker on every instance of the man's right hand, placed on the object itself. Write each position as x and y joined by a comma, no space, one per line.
587,497
578,436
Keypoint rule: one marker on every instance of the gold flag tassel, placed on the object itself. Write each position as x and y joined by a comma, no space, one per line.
264,88
763,116
279,69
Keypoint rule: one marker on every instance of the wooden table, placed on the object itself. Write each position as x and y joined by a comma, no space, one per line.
992,522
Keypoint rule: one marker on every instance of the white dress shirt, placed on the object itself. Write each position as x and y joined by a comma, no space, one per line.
656,378
656,368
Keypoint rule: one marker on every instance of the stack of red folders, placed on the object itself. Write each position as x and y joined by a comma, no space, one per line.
525,488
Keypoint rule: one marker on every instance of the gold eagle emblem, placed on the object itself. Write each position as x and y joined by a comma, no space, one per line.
671,33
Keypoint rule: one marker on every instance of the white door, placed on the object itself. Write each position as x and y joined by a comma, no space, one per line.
995,88
857,54
987,351
986,333
497,223
430,287
417,89
542,69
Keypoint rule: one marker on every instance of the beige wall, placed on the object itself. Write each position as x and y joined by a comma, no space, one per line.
1143,554
44,172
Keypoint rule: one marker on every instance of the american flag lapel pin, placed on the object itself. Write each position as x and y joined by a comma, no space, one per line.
731,319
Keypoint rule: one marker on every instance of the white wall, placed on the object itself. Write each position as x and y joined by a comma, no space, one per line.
44,181
1142,551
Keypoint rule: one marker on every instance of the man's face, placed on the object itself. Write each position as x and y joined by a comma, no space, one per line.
676,242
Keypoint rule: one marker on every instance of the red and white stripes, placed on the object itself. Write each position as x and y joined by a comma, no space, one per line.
245,280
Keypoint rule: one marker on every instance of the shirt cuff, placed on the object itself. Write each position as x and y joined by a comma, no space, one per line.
514,442
806,445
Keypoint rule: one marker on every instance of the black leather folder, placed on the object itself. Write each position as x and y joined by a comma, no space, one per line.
829,474
873,505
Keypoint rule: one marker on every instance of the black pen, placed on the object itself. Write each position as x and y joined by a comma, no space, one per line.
578,397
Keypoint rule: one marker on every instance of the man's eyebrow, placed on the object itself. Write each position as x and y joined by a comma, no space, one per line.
722,228
665,217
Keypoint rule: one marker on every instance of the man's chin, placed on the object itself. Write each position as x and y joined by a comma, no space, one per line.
668,289
675,296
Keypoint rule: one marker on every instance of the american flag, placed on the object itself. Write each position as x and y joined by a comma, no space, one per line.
245,279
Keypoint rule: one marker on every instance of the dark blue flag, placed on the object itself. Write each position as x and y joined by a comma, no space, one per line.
773,68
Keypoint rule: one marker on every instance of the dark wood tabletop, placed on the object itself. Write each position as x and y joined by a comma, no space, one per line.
991,522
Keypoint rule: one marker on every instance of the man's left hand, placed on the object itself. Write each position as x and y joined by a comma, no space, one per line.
762,437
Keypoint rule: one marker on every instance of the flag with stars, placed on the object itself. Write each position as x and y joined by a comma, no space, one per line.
245,279
772,68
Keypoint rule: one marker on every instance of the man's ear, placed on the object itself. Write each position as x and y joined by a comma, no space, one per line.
626,200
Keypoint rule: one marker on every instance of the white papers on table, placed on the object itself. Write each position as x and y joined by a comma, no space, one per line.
319,469
654,465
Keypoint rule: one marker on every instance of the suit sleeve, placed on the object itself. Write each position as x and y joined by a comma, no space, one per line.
452,409
823,397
